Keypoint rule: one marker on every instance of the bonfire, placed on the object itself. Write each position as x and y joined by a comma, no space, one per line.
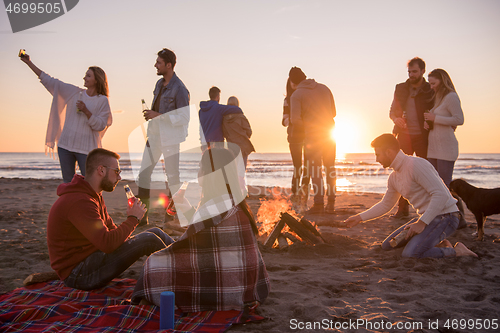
281,224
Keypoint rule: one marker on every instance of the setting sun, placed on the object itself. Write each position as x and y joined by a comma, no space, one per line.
349,135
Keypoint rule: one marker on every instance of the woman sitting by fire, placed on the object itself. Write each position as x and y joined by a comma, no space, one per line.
216,264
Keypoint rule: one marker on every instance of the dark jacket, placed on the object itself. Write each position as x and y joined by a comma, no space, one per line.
236,129
296,132
313,107
79,225
211,113
423,103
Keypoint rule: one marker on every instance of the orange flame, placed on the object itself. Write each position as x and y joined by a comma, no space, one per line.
270,210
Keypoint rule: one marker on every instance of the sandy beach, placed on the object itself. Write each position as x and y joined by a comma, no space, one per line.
347,281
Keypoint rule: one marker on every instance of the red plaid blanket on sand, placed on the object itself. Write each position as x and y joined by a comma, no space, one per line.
215,265
52,307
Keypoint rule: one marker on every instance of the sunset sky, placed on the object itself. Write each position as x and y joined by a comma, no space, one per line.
359,49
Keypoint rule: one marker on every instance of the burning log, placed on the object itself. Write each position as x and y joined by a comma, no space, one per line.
275,233
300,229
311,228
291,237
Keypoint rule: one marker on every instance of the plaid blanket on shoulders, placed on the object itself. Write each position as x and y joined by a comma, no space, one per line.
215,265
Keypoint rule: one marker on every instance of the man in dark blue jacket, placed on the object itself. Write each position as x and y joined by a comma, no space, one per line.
211,114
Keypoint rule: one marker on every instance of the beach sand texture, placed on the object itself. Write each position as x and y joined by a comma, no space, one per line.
346,279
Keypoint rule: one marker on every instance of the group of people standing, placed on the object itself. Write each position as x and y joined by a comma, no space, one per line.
425,116
216,264
168,121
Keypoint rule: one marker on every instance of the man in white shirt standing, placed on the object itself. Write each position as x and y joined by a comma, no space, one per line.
416,180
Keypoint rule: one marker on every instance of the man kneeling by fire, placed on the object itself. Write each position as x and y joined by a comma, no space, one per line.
416,180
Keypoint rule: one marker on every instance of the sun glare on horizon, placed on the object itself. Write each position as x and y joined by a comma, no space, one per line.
348,135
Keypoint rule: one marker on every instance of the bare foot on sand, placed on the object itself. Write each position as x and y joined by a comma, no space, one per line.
462,250
444,243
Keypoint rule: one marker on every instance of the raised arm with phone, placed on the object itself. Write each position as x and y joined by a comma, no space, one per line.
85,113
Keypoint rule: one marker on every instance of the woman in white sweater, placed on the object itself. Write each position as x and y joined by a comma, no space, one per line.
446,115
78,117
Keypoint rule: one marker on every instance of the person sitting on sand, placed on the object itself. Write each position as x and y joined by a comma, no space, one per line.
86,249
216,264
416,180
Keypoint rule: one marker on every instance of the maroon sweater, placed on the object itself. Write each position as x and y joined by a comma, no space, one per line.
79,225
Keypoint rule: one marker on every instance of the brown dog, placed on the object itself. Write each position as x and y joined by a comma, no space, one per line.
481,202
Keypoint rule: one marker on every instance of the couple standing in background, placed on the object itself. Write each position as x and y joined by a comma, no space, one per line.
425,116
219,122
308,112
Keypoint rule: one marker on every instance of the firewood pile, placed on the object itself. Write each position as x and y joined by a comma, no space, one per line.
302,228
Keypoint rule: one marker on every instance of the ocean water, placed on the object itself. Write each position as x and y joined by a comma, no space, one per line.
355,173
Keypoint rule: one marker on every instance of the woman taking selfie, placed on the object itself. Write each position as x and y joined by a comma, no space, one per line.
78,117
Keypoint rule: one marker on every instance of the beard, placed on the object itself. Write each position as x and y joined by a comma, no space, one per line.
415,79
107,185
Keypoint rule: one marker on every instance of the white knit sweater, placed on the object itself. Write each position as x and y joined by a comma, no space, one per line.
415,179
443,145
70,129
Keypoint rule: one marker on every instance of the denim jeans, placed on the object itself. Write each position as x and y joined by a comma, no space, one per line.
296,151
67,160
319,154
413,144
99,268
444,169
424,244
151,156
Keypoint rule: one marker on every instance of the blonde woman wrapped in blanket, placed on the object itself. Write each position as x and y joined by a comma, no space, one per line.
216,264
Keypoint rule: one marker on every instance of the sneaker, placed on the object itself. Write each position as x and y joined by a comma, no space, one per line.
330,208
316,209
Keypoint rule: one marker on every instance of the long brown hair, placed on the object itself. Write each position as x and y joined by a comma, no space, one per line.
445,87
101,80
